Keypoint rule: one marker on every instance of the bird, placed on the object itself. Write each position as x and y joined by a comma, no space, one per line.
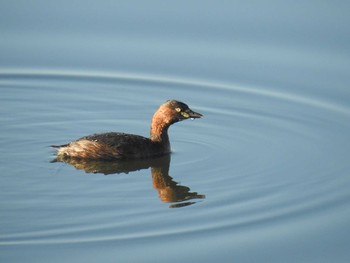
121,146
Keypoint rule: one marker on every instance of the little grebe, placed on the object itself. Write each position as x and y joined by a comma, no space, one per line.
116,145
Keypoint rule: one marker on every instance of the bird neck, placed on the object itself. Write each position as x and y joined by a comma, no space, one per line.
159,130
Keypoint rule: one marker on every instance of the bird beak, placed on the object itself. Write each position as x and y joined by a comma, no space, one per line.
193,114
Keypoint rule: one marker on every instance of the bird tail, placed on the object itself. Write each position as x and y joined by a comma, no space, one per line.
59,146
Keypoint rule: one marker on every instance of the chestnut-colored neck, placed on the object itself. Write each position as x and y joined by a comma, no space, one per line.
159,127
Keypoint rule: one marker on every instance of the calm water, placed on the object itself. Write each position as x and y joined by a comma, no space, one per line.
263,177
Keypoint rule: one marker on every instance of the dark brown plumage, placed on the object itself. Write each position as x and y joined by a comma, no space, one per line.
116,145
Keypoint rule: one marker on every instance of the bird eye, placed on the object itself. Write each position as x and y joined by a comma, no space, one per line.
178,109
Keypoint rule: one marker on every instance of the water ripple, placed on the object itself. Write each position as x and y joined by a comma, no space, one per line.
167,81
263,157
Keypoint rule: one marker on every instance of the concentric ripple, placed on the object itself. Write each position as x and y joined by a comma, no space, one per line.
262,157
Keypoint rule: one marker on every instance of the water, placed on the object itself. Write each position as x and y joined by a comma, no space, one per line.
263,177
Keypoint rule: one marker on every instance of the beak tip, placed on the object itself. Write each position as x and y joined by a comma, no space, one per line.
196,115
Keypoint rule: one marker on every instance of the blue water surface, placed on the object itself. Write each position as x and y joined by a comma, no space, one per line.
263,177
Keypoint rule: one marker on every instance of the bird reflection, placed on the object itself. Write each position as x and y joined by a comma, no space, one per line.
169,191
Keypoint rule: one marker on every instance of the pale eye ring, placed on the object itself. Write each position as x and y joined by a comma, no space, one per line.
178,109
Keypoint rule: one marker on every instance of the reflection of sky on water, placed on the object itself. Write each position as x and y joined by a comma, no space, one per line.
270,155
